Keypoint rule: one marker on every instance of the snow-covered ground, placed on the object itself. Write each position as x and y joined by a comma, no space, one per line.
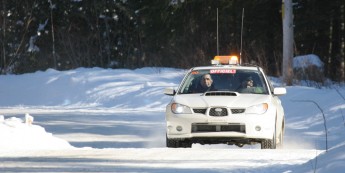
113,121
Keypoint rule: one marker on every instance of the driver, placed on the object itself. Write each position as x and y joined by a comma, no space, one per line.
205,84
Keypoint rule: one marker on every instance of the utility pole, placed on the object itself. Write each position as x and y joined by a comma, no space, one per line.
288,41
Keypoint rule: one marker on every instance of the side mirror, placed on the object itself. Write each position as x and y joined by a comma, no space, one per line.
169,91
279,91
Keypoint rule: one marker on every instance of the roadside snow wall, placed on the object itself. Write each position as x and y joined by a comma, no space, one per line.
308,68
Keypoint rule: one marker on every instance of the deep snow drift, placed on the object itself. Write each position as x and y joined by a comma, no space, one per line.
107,91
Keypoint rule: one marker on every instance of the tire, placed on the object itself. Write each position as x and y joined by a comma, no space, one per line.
270,143
280,144
186,144
173,143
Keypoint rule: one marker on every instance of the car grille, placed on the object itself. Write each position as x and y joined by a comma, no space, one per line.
237,111
199,111
199,128
213,112
218,112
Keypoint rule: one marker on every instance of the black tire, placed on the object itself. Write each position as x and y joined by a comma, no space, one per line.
173,143
186,144
270,143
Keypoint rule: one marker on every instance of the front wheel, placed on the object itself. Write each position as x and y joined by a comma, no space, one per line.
170,143
175,143
270,143
280,140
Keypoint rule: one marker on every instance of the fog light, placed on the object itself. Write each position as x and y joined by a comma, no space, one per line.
179,128
257,128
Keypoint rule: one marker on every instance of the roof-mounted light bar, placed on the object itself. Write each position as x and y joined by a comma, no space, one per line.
225,60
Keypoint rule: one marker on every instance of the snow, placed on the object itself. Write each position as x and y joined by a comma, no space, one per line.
22,136
83,115
32,46
305,61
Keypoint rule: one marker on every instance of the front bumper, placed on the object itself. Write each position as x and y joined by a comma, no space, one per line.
231,127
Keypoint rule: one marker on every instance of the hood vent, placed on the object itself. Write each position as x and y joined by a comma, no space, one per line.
220,93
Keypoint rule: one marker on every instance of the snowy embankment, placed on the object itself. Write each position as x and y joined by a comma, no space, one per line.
82,90
93,88
110,91
17,135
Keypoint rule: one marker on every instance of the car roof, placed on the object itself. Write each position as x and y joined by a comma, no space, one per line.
228,66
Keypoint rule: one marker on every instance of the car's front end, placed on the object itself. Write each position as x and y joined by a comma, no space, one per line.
229,104
228,118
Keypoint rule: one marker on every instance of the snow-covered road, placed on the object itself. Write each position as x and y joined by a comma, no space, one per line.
135,142
155,160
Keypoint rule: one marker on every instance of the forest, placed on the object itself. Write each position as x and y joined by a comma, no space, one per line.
41,34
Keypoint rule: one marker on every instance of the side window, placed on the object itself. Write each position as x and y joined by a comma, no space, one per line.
191,82
252,82
187,84
263,83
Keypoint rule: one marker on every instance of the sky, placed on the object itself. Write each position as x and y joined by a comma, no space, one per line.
131,104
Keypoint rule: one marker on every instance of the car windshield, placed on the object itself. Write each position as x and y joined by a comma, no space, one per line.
233,80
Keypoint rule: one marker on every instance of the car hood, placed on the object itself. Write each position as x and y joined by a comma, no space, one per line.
235,101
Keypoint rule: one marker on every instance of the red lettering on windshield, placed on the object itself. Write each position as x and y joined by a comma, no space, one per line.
218,71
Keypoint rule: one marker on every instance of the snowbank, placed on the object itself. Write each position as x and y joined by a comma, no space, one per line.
305,61
17,135
92,88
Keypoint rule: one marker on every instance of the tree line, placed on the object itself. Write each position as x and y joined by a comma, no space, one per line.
36,35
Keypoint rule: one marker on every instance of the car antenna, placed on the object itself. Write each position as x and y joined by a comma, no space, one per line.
241,35
217,35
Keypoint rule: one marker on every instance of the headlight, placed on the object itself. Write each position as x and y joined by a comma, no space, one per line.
257,109
180,109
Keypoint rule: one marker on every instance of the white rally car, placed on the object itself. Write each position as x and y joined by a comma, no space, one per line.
225,103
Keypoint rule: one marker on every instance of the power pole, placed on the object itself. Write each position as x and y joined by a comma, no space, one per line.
288,35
